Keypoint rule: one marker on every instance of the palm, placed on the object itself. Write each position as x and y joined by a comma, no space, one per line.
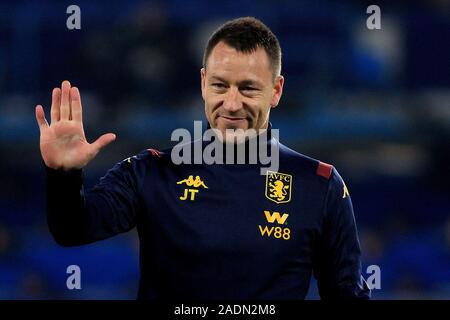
63,144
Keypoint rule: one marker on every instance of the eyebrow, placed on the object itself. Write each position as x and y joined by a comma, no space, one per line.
247,82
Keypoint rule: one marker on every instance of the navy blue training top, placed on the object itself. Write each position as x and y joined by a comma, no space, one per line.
219,231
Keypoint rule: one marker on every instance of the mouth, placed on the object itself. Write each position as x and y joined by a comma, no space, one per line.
233,120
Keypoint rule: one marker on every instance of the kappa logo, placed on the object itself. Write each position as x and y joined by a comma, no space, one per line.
278,187
128,160
191,182
346,193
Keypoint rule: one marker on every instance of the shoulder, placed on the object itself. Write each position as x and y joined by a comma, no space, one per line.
138,165
312,166
142,158
318,174
146,155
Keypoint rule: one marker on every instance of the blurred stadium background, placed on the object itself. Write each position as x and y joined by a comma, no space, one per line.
376,104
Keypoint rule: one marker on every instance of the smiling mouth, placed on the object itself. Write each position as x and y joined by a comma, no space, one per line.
232,119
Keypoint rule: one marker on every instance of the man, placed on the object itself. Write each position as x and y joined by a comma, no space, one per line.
211,231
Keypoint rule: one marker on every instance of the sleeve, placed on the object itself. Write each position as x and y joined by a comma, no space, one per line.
337,263
76,216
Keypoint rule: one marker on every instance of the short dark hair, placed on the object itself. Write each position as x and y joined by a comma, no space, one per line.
246,34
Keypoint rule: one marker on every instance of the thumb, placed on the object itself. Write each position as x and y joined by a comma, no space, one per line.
103,141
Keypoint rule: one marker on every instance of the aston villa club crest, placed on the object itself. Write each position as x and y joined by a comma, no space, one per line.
278,187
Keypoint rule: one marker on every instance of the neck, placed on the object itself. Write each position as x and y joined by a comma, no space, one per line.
245,149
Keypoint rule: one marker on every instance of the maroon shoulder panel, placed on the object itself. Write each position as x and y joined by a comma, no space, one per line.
324,169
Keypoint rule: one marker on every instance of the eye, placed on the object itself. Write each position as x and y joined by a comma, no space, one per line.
218,85
248,88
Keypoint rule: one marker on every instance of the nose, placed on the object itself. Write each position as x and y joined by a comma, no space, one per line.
232,101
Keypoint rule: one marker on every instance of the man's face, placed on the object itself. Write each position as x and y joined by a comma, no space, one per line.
238,89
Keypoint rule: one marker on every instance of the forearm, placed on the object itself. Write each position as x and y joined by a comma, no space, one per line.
77,216
66,214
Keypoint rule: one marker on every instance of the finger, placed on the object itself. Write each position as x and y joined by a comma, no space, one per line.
65,102
75,103
103,141
40,117
56,105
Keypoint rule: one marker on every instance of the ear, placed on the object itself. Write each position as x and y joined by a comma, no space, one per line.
203,81
277,91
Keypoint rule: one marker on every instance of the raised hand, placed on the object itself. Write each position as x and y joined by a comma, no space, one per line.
63,143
